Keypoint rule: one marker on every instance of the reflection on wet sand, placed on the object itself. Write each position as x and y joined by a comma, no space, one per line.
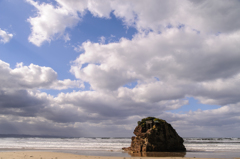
158,154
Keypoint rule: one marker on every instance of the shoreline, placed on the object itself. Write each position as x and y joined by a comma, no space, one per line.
90,154
61,155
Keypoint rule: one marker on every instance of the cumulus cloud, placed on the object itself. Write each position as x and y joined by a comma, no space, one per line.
220,91
4,36
32,77
167,67
205,16
182,49
22,102
37,126
182,59
99,8
24,108
220,122
96,110
49,22
81,110
88,112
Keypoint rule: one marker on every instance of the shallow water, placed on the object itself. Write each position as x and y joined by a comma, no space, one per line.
196,147
196,154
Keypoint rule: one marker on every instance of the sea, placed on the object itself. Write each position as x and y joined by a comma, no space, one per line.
196,147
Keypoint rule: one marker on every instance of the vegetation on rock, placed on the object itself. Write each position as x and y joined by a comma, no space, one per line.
142,123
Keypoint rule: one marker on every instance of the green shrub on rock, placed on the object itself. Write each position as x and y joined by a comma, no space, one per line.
142,123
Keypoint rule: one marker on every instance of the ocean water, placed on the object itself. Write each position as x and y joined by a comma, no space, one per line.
212,144
196,147
106,144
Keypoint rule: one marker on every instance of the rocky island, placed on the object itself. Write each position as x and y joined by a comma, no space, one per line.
155,135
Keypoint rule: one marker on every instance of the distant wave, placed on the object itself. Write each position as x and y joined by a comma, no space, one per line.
112,144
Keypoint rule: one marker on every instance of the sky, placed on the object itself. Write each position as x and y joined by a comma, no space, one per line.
93,68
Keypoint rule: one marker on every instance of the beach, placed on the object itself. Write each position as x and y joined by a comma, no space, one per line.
59,155
51,154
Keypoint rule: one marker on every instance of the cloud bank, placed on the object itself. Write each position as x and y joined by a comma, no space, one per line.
181,50
204,16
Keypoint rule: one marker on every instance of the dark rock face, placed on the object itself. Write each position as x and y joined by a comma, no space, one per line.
155,135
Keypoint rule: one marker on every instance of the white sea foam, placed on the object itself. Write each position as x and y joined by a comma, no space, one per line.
114,144
64,143
212,144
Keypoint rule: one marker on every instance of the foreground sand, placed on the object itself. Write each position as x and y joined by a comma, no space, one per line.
56,155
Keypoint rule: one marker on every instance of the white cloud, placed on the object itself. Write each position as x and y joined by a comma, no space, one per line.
155,91
81,110
181,59
5,37
73,5
167,68
102,40
168,64
95,112
22,102
37,126
32,77
66,83
100,8
66,37
91,113
220,91
220,122
49,22
205,16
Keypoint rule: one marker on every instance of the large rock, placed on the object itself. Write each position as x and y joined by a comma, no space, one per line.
155,135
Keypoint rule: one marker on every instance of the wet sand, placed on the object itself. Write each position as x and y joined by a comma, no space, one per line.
59,155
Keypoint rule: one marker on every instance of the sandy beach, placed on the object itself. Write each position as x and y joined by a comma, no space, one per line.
58,155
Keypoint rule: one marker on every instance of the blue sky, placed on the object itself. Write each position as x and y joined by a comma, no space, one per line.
107,64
